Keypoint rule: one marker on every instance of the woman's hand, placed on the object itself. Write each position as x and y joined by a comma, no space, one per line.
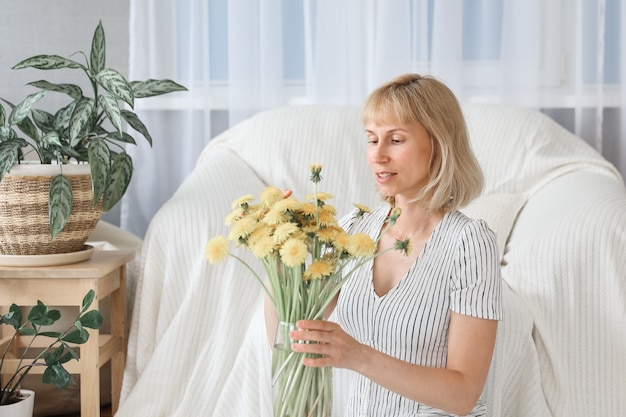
328,339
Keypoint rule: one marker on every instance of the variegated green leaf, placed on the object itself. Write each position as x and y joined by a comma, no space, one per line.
43,120
120,176
52,138
73,153
116,84
3,116
98,48
60,204
81,118
48,62
46,156
62,116
71,90
20,111
152,87
137,124
7,133
112,109
28,127
9,155
124,137
100,164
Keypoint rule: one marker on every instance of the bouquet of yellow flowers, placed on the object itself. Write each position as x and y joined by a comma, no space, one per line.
307,257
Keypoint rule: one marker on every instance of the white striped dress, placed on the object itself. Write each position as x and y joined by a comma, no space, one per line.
457,270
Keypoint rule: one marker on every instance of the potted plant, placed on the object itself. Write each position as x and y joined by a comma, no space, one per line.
89,129
53,355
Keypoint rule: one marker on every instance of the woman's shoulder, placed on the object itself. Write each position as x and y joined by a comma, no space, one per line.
460,224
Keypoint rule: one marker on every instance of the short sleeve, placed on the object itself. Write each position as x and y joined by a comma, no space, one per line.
348,220
476,281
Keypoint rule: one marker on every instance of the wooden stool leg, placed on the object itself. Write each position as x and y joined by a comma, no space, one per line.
118,331
90,368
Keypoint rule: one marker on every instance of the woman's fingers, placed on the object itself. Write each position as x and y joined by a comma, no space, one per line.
322,349
323,325
313,331
323,338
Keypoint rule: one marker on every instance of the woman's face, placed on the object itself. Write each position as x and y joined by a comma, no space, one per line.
399,156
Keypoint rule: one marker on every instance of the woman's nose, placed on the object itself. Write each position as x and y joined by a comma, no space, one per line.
379,154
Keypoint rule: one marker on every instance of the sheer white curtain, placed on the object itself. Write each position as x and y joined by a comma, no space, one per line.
239,57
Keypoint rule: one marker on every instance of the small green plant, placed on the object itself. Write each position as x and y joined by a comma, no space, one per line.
55,354
88,129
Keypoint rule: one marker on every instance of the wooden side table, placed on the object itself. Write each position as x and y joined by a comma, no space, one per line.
66,285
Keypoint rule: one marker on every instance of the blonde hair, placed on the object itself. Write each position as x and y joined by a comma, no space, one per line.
455,174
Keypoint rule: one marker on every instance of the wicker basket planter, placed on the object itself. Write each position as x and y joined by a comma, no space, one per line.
24,222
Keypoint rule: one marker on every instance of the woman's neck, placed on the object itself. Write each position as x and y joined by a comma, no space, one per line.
415,220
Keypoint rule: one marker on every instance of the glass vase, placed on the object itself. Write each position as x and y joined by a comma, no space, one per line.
299,391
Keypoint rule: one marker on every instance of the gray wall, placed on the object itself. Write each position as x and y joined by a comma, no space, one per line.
59,27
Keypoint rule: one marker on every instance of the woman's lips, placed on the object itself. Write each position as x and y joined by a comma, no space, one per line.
384,176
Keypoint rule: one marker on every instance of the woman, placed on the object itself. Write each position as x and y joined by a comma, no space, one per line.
419,330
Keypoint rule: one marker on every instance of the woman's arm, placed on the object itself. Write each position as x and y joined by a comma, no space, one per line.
454,389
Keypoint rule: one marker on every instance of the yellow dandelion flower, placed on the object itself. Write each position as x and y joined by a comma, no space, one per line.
330,209
393,217
361,244
242,202
335,230
270,195
256,211
284,231
283,211
275,216
217,249
321,196
308,229
233,216
293,252
315,173
262,231
326,218
242,228
308,209
362,209
288,204
262,247
326,234
341,240
300,235
318,270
